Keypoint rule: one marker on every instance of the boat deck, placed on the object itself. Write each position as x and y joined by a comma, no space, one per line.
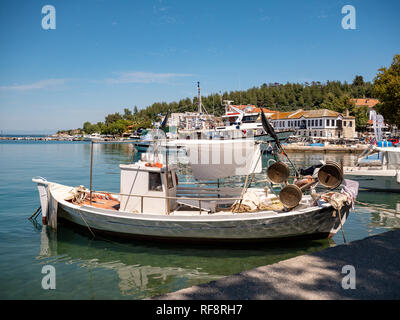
184,209
111,204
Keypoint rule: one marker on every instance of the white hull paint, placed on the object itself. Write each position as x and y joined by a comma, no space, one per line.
379,180
313,222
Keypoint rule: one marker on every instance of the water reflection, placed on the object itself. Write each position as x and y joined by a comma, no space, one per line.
147,269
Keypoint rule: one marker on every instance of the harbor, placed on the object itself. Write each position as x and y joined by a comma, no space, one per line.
141,267
220,154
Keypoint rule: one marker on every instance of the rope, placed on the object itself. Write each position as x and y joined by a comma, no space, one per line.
86,223
341,225
35,213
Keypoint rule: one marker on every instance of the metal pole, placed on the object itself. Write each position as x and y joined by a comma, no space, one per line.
91,170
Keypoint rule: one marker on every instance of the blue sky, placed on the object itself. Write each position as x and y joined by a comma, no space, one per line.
104,56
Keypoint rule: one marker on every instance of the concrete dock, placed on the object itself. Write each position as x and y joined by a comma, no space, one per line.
376,262
329,148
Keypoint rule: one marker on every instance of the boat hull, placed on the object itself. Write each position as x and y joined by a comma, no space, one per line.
312,222
374,181
316,224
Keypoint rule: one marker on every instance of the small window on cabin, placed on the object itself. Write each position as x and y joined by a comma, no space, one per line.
344,123
170,182
351,123
320,122
155,183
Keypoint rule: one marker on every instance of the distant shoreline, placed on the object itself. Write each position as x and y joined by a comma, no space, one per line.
24,135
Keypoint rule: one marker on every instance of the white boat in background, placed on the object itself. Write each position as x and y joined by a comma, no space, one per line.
152,204
238,123
377,169
95,137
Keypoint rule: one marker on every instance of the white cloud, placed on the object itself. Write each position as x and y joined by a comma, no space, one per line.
145,77
35,85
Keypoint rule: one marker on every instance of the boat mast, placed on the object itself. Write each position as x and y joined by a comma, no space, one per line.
199,97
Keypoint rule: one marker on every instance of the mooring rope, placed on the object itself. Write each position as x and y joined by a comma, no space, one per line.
86,223
35,213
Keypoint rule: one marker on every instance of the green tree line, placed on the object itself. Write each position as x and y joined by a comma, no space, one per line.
333,95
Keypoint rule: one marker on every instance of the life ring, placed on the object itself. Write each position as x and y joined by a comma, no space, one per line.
158,165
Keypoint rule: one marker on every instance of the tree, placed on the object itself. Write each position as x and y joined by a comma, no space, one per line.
358,81
387,90
113,118
87,127
127,114
361,115
338,104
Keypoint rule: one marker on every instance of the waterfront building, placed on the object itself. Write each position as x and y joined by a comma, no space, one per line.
321,123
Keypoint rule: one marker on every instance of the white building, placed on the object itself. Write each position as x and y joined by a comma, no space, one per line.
320,123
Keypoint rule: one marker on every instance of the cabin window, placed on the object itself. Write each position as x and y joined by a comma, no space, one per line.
155,183
351,123
327,122
344,123
170,182
320,122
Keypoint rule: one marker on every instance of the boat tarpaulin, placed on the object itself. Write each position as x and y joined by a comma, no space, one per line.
218,160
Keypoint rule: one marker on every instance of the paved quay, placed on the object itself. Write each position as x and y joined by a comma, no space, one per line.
318,275
329,148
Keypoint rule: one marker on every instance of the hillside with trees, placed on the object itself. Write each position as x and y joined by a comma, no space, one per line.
332,95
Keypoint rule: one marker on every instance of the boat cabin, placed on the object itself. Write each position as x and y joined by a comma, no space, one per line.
145,186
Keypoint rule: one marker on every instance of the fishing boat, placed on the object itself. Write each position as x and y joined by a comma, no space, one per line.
377,169
153,204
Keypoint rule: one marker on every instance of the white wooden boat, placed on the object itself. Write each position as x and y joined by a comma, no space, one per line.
152,204
378,169
187,222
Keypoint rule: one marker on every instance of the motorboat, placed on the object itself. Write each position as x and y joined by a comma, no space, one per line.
378,169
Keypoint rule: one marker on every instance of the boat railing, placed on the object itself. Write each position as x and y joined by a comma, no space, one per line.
199,199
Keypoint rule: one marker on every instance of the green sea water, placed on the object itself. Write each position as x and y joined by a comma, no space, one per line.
105,268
